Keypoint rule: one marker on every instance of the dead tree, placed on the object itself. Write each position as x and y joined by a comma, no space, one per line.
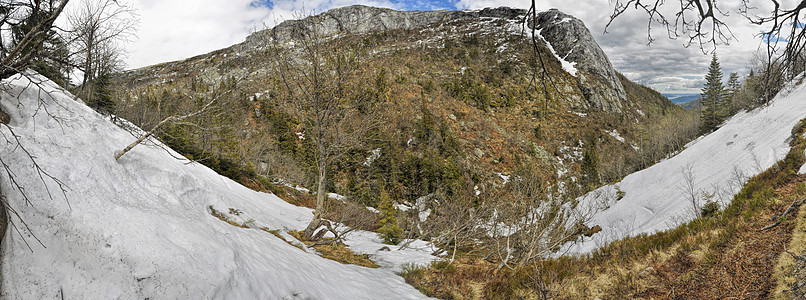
206,108
168,120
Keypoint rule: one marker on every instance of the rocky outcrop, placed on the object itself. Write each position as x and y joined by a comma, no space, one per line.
572,41
568,36
363,19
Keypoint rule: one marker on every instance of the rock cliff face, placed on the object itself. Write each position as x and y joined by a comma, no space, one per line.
567,35
362,19
572,41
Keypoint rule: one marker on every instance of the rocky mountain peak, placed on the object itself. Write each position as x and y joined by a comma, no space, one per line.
568,36
573,42
363,19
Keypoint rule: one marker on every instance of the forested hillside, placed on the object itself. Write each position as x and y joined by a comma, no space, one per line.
369,153
459,102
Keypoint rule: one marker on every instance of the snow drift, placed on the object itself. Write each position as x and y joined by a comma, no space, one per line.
141,227
659,198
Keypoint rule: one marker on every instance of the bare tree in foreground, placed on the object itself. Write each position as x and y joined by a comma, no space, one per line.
532,220
97,27
319,77
25,29
168,120
689,188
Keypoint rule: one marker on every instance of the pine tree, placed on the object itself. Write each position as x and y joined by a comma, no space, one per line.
713,94
733,86
733,83
589,166
389,231
101,99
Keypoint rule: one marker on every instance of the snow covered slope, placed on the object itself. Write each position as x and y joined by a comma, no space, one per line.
658,198
141,228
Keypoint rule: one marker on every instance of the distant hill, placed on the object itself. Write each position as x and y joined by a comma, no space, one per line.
693,104
681,98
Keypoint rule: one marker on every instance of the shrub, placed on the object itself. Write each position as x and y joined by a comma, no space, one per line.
469,90
709,209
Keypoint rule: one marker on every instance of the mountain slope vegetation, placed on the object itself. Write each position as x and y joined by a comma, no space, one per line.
455,95
472,155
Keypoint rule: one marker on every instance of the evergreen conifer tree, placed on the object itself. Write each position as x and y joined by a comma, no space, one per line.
713,94
733,87
733,83
589,166
389,231
101,99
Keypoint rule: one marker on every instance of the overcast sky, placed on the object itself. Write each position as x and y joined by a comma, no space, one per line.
177,29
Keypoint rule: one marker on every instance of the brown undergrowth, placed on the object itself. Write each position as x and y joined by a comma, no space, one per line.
337,252
729,255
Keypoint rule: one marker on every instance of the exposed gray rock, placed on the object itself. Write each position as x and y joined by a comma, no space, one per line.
363,19
567,35
571,40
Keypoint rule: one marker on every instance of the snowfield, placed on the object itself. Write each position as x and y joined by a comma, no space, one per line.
141,227
659,198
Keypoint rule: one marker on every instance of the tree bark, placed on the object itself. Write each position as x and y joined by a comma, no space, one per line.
321,195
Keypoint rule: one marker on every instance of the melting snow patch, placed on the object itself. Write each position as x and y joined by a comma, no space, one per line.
336,197
615,135
504,177
569,67
802,169
747,144
373,155
141,226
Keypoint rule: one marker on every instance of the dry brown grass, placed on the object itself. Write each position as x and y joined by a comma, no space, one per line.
337,252
221,217
787,269
730,255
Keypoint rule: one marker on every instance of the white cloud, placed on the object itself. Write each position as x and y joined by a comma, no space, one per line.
177,29
666,64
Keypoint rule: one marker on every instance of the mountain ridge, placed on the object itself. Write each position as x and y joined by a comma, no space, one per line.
469,80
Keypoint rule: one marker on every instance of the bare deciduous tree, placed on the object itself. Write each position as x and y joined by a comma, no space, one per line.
531,220
97,28
319,76
702,22
689,188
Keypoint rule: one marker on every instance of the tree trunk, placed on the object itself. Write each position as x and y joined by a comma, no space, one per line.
321,195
